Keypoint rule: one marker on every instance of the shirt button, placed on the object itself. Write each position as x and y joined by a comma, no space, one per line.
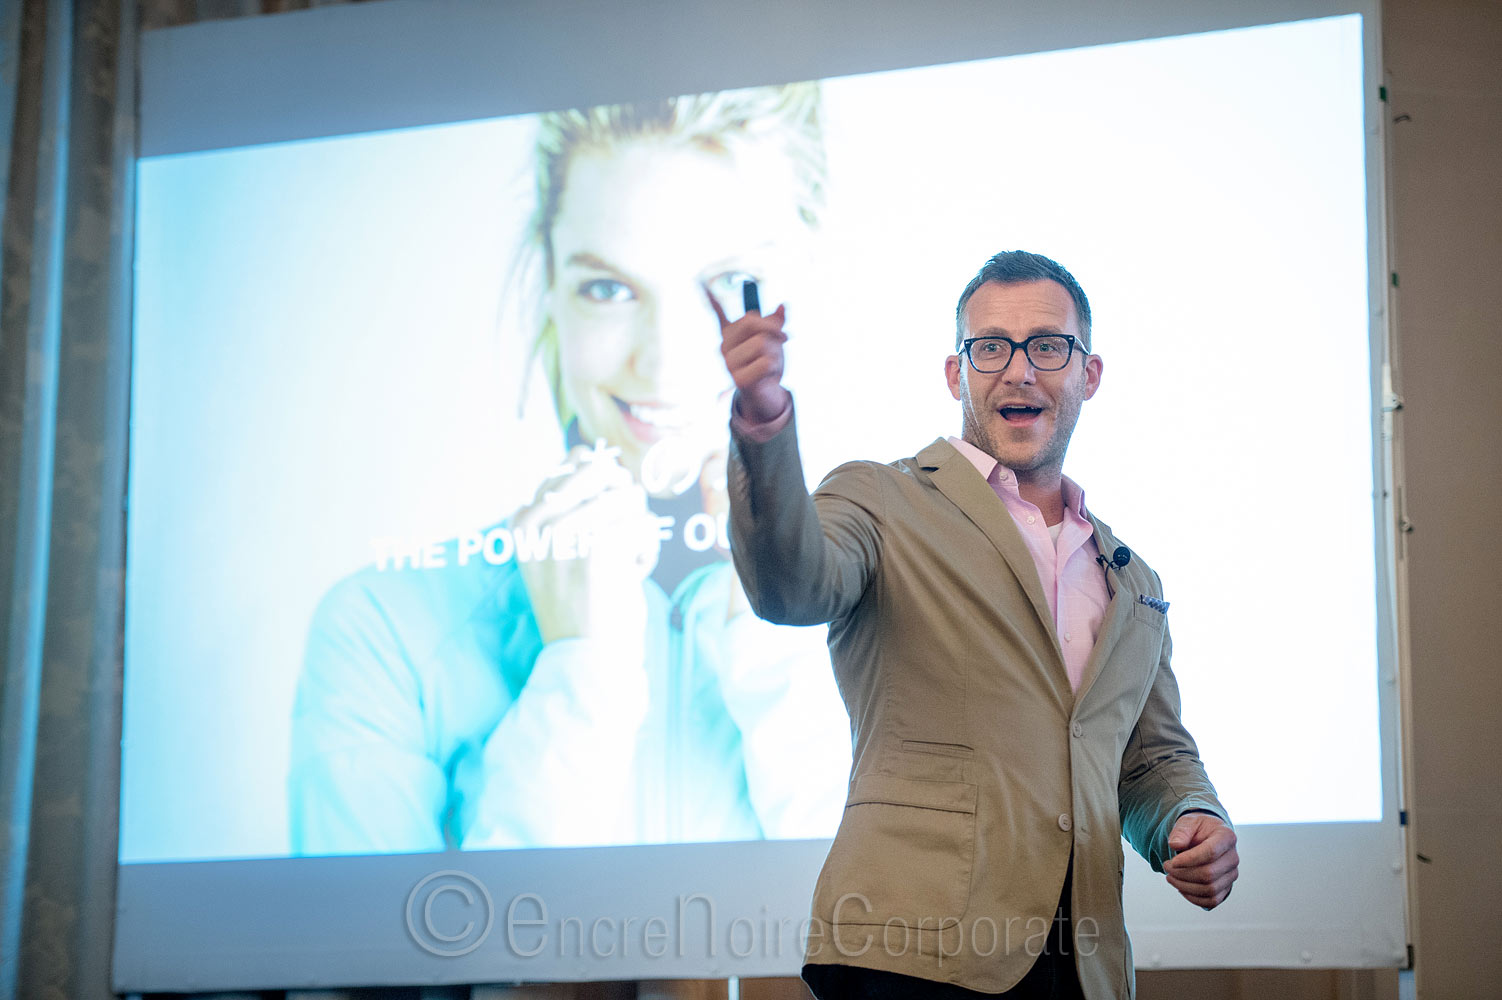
1064,823
1078,729
1068,636
1002,474
1031,519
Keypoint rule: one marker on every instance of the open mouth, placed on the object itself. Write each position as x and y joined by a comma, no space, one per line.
1020,414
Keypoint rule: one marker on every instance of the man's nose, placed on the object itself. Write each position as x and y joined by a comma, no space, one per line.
1019,370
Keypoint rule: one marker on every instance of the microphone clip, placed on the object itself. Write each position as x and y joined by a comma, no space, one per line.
1118,560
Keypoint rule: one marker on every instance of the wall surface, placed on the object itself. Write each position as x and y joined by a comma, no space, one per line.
1445,98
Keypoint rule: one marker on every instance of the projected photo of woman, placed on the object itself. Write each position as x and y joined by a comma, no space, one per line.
586,671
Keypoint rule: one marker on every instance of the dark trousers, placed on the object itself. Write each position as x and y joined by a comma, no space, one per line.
1052,976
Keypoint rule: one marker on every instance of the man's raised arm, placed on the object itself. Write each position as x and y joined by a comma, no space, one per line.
802,560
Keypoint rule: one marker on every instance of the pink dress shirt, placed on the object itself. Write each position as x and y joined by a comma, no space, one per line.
1072,580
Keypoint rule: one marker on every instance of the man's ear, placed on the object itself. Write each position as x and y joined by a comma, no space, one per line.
953,369
1093,368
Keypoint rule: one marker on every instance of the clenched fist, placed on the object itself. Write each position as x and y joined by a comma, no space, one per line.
1205,862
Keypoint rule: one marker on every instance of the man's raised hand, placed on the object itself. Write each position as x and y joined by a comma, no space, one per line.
752,348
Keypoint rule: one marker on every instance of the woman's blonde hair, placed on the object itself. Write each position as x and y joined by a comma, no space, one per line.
788,115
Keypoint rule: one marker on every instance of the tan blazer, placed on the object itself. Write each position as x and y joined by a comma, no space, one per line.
976,768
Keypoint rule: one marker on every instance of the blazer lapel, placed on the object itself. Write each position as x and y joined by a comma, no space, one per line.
1117,611
957,479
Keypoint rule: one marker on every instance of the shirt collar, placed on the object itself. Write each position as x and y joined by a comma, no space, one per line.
1074,497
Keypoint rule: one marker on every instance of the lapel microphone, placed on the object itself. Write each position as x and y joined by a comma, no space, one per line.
1118,560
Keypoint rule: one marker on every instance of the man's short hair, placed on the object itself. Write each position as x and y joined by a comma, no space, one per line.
1015,267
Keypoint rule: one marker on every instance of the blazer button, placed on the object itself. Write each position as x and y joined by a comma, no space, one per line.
1064,823
1078,729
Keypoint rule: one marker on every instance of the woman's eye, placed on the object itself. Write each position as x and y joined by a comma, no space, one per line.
729,284
606,290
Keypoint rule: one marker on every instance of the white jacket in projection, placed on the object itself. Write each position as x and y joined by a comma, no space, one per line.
430,715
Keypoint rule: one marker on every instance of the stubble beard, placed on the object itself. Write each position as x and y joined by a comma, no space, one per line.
1048,460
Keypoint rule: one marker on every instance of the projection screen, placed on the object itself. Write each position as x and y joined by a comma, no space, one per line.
412,278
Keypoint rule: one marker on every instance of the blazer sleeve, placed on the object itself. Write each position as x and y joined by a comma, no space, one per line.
803,559
1161,774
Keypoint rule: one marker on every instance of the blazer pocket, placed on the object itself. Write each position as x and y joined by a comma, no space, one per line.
941,749
904,851
1148,615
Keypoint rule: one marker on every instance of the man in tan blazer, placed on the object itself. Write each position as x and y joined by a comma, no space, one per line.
994,775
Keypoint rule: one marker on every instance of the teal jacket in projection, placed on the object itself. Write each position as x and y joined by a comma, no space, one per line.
430,715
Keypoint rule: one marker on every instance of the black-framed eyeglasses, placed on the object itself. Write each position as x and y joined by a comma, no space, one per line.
1047,352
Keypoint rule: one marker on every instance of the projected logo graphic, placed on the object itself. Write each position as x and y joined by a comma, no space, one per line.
449,913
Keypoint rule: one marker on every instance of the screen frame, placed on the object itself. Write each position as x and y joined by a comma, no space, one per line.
402,63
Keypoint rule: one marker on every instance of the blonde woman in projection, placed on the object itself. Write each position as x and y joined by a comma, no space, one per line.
622,694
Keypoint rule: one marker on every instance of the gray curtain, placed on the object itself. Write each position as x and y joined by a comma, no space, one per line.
67,107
